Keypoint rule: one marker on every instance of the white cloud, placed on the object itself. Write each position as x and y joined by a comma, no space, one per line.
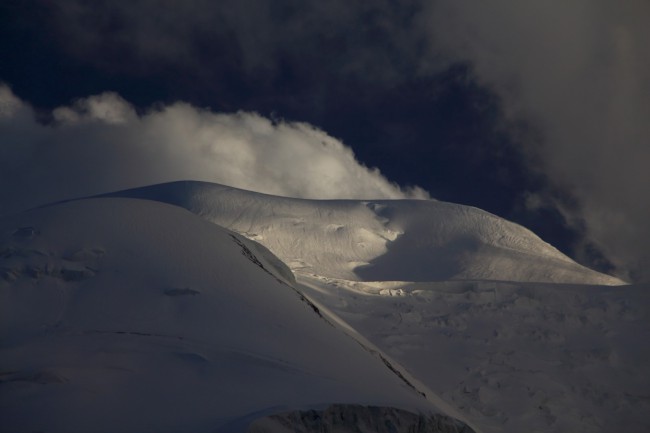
9,103
578,70
109,108
100,144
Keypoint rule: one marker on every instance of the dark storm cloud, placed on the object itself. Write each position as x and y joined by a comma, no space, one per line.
581,72
257,37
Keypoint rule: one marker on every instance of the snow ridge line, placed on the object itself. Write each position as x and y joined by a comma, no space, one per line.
246,252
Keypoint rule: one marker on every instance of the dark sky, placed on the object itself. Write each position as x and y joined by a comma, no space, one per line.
489,107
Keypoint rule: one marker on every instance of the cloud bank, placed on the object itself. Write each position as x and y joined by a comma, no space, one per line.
580,72
100,144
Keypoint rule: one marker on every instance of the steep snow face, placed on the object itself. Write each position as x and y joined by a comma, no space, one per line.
131,315
412,240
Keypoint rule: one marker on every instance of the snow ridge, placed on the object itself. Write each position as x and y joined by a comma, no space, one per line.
383,240
180,327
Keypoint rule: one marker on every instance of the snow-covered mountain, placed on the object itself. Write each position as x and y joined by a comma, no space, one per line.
136,316
242,311
379,240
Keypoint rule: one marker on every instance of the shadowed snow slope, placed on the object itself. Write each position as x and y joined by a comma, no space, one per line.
379,240
128,315
120,314
512,357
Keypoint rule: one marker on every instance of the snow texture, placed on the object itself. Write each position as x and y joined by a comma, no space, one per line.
244,311
127,315
406,240
510,356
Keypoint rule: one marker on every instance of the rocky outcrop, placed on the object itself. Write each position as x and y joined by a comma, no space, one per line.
346,418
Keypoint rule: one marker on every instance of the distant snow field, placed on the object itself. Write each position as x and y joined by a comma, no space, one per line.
194,307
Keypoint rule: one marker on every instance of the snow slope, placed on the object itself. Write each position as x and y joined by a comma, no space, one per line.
383,240
512,357
391,300
501,325
127,315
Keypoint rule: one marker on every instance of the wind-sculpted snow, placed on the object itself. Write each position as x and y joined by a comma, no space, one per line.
413,240
173,325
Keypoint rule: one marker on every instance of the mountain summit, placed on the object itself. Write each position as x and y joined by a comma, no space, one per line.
379,240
